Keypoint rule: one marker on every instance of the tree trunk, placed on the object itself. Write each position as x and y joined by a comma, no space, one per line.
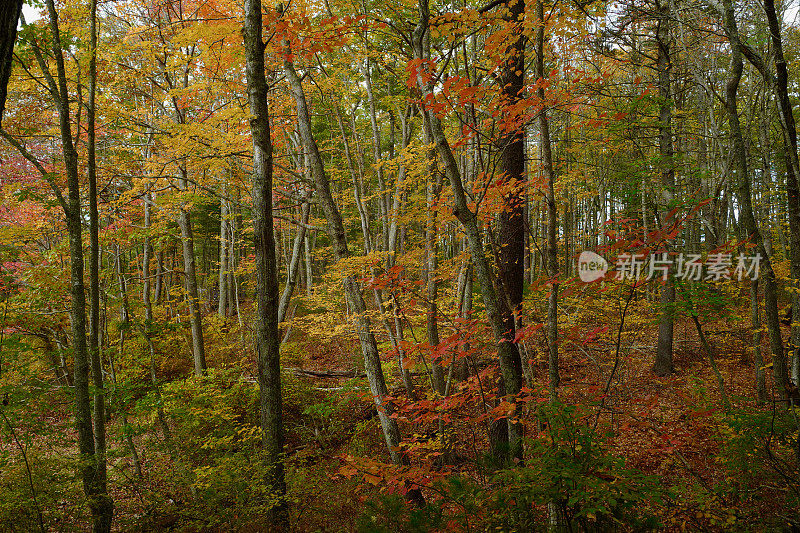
294,262
267,337
747,219
758,360
91,472
222,282
190,278
433,190
102,521
507,352
552,213
148,315
792,174
355,300
663,362
9,16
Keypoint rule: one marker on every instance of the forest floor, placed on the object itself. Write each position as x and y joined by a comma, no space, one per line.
674,428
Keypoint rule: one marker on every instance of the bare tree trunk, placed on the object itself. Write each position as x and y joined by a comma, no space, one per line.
267,336
507,352
355,300
663,361
190,278
747,219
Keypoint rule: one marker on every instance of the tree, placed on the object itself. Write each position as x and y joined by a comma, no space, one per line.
507,351
91,437
369,347
743,191
267,336
9,16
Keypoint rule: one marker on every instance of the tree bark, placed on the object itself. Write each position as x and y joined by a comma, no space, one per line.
222,282
267,336
792,174
507,352
747,219
552,213
662,365
190,279
355,300
9,17
102,521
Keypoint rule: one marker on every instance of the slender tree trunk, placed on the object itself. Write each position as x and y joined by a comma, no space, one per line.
190,279
309,266
507,352
148,315
663,362
758,360
158,289
355,300
92,473
552,212
747,219
792,175
433,190
222,304
267,336
102,521
294,263
125,319
383,193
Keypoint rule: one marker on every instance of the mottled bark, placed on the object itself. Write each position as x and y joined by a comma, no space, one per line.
267,337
